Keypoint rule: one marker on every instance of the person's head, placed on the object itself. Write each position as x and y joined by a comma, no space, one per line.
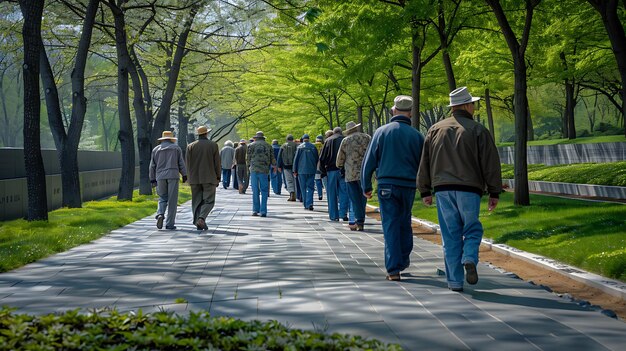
351,127
242,142
305,138
289,137
337,130
259,136
167,135
228,143
328,134
251,140
274,142
202,131
461,99
319,138
402,105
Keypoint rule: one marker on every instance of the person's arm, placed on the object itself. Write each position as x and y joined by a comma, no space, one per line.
181,165
369,165
296,160
423,174
152,168
341,154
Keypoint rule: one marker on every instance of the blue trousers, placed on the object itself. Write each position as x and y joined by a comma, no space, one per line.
260,190
318,185
395,209
226,177
277,181
338,203
307,188
461,232
357,201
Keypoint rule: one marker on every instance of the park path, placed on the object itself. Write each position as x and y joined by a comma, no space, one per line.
299,268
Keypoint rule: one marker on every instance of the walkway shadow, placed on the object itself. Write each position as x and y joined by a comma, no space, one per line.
533,302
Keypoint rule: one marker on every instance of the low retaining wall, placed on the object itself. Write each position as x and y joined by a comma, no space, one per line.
568,153
600,191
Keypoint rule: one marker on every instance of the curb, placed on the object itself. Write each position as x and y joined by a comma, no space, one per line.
609,286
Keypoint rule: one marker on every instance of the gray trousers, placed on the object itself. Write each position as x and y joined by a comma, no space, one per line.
243,176
202,200
289,180
167,189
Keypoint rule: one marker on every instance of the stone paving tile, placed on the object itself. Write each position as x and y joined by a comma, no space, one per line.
300,268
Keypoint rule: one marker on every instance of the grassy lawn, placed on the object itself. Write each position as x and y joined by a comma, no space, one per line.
23,242
586,140
588,235
613,173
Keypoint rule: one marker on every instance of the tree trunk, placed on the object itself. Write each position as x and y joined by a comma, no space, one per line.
370,122
105,131
166,103
570,105
359,116
6,131
489,113
183,120
615,31
125,135
416,76
336,107
33,161
143,115
445,55
530,131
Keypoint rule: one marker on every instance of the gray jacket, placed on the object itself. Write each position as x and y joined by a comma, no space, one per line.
167,161
226,155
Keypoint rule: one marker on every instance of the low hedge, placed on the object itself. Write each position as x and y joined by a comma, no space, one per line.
112,330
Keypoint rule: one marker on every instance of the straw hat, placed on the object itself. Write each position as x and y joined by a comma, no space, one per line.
167,135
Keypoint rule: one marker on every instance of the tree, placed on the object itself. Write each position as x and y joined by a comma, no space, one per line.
33,161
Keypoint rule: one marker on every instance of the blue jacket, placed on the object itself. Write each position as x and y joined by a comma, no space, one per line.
394,153
306,159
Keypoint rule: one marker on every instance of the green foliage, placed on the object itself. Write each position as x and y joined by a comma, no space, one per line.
23,242
112,330
613,174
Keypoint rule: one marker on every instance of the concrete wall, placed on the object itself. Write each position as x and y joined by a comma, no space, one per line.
569,153
99,177
587,190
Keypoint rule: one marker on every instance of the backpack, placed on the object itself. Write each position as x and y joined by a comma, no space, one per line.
289,153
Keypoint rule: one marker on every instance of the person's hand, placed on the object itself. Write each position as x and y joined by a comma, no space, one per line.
184,179
153,183
493,203
295,174
368,194
279,169
428,200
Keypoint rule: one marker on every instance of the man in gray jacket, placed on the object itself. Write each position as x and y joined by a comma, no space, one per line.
227,154
165,165
203,162
459,162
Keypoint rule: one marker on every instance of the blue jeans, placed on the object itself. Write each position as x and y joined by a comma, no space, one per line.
226,177
235,183
357,200
277,181
307,188
260,187
461,232
395,209
318,185
338,203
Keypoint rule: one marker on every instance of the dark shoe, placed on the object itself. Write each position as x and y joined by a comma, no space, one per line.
456,289
255,214
201,224
320,198
394,277
292,197
346,219
170,227
263,214
310,208
359,227
160,221
471,275
352,227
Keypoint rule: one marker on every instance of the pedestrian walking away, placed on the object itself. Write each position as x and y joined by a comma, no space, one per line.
259,158
286,155
166,166
394,153
304,167
337,196
227,154
459,162
276,173
203,164
319,143
242,169
350,157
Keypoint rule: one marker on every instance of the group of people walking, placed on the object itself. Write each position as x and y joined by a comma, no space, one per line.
457,161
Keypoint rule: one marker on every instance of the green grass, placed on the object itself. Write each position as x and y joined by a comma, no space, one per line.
585,140
23,242
613,173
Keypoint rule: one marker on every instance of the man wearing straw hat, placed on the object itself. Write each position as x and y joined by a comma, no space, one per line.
204,165
459,162
165,165
259,158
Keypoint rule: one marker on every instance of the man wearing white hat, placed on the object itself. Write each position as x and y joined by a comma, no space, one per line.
165,165
204,165
460,161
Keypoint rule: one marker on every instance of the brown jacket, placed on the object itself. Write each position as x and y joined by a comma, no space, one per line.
459,154
240,154
203,162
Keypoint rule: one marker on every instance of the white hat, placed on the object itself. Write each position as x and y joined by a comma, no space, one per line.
460,96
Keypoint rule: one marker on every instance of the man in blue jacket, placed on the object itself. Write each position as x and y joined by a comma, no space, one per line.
395,153
304,167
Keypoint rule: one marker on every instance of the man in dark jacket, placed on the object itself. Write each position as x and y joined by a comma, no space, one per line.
276,173
165,165
336,192
286,155
305,167
241,153
394,154
204,164
459,162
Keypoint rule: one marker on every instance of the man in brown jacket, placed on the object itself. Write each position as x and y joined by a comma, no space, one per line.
241,153
204,167
459,162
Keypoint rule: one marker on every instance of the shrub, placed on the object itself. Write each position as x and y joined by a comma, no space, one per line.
111,330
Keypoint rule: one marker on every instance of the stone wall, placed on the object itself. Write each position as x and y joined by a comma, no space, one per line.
586,190
99,174
569,153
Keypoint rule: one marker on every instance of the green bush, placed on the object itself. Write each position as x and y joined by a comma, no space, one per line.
611,173
111,330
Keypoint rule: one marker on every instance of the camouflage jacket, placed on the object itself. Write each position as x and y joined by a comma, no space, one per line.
351,153
260,156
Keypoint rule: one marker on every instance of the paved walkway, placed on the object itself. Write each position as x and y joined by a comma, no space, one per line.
298,267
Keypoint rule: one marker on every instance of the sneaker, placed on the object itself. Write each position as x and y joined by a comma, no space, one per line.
255,214
346,219
471,275
456,289
310,208
170,227
263,214
353,227
160,221
359,227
